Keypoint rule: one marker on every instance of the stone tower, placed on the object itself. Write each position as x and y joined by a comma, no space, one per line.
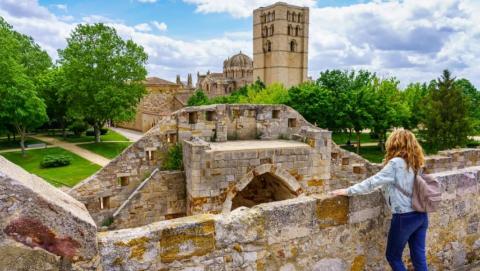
280,44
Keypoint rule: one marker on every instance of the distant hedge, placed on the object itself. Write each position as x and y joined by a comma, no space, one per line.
102,132
50,161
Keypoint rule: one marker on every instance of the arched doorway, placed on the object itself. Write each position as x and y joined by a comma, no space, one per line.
265,183
262,189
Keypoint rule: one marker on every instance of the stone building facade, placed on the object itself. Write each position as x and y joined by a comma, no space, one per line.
163,97
280,44
237,72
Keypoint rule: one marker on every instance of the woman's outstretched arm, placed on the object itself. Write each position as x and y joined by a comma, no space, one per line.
384,176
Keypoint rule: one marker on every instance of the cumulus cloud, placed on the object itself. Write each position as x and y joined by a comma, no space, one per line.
160,26
239,8
143,27
413,40
61,7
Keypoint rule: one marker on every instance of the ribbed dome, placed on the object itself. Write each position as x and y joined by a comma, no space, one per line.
238,60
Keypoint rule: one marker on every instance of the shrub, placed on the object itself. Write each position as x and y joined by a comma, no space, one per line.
78,127
50,161
174,158
103,131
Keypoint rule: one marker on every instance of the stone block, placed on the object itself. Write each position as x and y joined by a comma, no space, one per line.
195,237
332,211
35,215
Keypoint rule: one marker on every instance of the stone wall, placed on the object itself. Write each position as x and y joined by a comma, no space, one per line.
42,228
115,182
306,233
161,197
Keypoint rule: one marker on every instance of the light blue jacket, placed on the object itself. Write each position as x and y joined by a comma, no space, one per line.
394,171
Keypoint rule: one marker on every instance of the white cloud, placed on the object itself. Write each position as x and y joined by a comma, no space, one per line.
240,8
143,27
414,42
160,26
62,7
147,1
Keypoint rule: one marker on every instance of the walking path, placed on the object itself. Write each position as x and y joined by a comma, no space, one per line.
90,156
20,149
132,135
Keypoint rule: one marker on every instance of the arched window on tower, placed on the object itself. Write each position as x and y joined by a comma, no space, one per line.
293,46
300,18
297,30
269,46
264,18
288,15
289,30
265,31
273,15
294,16
271,30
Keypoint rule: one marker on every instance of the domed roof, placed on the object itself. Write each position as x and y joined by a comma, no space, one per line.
238,60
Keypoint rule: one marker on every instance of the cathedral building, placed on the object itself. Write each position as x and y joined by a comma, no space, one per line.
280,44
237,72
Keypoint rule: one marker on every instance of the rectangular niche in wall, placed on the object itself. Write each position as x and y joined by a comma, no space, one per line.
192,117
275,114
292,122
123,181
104,203
210,115
171,138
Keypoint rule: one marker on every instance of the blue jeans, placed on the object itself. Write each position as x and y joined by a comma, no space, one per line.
412,228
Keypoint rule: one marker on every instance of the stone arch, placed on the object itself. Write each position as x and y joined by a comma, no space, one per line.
282,177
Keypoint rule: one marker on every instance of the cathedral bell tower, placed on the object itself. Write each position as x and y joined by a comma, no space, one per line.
280,44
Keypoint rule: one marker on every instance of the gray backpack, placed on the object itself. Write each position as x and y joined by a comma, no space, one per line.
427,193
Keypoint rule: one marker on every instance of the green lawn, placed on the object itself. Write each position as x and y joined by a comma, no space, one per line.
5,144
371,153
106,149
341,138
69,175
109,136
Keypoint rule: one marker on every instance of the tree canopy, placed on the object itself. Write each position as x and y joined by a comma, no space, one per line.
103,75
22,62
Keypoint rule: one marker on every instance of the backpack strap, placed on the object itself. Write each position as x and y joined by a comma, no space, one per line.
403,191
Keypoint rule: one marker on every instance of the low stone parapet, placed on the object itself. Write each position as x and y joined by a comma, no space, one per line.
305,233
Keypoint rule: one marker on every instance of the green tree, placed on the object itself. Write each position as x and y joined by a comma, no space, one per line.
198,98
21,62
414,97
473,96
103,75
388,108
446,119
50,88
313,102
272,94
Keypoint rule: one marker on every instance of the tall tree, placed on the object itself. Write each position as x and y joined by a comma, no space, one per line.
473,96
272,94
104,75
414,97
388,108
313,102
21,61
446,119
50,88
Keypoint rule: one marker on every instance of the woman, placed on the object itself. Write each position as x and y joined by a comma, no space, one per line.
404,157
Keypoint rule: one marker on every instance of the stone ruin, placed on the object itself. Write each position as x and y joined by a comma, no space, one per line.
251,196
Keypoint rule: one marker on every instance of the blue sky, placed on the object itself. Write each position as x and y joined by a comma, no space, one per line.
410,39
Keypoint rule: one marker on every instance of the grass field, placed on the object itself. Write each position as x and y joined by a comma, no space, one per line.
371,153
70,175
109,136
341,138
106,149
5,144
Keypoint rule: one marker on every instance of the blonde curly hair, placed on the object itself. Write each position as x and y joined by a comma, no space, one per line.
403,143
